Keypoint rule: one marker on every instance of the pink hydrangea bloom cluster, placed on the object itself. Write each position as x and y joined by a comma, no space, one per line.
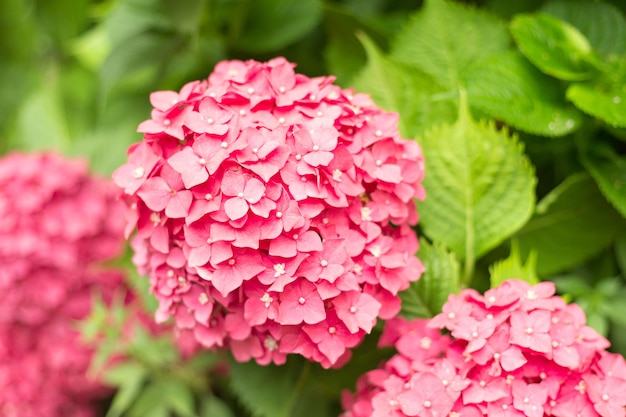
273,211
516,351
56,223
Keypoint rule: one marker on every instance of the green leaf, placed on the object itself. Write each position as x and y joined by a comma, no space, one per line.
598,322
609,172
554,46
508,9
151,401
620,252
479,187
214,407
63,19
128,377
507,87
571,224
441,277
250,382
132,18
512,267
138,60
615,308
608,105
186,15
92,48
343,53
42,123
574,286
278,391
399,88
273,24
601,23
445,37
179,397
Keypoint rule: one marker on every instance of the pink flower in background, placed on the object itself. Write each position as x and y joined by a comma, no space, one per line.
287,195
57,223
512,375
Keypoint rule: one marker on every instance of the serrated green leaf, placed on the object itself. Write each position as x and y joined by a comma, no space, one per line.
441,278
479,187
272,24
128,377
554,46
609,172
571,224
602,23
507,87
608,105
411,93
445,37
512,267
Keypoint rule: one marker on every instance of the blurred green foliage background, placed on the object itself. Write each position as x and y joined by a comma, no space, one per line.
76,74
548,77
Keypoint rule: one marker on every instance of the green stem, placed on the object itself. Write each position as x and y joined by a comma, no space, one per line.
470,239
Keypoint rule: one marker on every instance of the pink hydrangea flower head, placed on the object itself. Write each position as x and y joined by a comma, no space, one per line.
57,224
285,200
54,216
503,357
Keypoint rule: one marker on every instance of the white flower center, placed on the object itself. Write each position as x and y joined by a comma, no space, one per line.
138,172
279,269
366,214
270,343
267,300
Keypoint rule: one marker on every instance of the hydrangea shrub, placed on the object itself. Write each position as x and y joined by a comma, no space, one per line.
273,211
517,351
57,222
